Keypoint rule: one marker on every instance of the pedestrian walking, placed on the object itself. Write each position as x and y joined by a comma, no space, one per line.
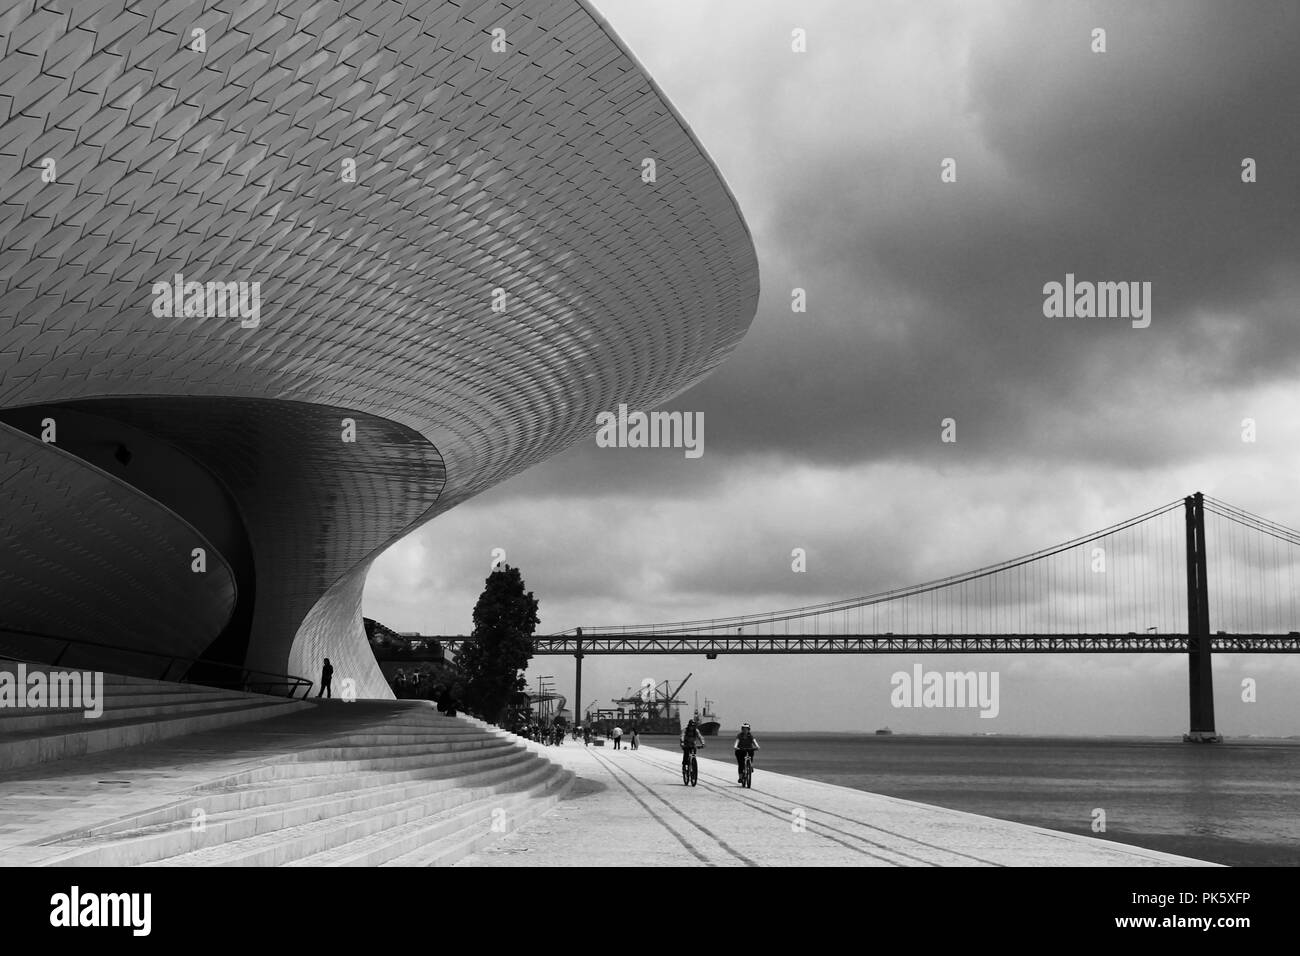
326,675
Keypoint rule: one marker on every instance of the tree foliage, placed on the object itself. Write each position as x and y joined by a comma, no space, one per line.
492,662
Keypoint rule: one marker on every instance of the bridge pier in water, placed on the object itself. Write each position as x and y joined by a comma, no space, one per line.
578,715
1200,677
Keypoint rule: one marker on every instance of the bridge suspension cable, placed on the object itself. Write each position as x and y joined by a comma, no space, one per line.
1045,584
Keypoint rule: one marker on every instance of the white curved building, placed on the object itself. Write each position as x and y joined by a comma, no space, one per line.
449,256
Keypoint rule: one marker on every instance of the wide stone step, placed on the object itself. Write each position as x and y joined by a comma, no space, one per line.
120,684
378,739
268,780
260,788
27,720
457,743
27,749
455,846
133,690
273,789
400,731
319,767
162,840
124,682
289,768
481,808
286,845
252,797
363,782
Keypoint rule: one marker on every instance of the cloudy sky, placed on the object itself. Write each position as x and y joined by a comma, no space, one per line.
925,302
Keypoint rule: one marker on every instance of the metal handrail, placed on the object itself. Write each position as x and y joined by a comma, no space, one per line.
250,679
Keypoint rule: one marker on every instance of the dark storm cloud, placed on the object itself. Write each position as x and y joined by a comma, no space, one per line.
926,298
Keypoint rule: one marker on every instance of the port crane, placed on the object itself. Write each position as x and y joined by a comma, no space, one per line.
651,701
653,707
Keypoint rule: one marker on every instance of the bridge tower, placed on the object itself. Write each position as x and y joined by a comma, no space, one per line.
1200,678
577,690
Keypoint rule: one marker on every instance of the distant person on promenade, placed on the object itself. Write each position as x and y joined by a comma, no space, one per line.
618,737
636,739
586,736
326,675
745,745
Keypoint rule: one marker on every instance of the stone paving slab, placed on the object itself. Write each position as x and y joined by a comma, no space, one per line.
630,808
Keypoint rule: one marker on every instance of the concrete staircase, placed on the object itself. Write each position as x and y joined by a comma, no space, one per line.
135,711
402,786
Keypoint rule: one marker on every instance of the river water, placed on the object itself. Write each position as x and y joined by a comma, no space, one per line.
1236,803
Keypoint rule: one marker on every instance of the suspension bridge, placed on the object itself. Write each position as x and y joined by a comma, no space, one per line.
1144,585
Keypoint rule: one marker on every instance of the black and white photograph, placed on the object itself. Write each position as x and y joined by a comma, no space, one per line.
572,435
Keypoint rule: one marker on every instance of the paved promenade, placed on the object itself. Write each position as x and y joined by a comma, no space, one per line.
629,808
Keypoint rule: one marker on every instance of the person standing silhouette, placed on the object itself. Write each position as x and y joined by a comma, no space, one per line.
326,675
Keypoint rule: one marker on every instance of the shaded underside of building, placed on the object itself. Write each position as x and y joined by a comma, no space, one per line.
459,260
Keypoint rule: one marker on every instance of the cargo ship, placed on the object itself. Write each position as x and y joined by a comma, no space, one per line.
706,720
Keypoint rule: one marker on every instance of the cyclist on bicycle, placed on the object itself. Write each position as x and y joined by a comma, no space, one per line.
690,740
745,746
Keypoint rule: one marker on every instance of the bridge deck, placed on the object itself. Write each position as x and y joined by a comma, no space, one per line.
651,643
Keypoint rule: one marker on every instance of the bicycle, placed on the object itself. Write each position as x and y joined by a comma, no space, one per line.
690,768
747,773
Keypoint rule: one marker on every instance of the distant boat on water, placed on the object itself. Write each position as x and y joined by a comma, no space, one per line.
884,730
706,720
